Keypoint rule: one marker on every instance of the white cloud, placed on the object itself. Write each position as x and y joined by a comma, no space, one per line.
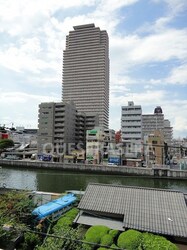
161,47
11,10
22,108
145,98
174,6
110,5
10,98
23,56
178,75
44,50
133,50
25,17
38,39
176,115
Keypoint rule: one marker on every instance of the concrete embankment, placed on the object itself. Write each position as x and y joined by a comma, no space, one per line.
120,170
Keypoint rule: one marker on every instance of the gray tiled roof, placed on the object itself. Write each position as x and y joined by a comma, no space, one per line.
147,209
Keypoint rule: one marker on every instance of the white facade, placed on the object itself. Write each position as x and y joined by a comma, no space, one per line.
131,122
131,129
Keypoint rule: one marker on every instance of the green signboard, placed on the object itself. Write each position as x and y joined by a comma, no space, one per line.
92,132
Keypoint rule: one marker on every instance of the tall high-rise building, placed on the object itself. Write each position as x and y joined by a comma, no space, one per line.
86,71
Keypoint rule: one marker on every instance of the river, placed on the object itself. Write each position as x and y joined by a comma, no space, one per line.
60,181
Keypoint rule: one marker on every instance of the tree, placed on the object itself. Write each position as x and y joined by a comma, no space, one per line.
2,129
130,239
6,143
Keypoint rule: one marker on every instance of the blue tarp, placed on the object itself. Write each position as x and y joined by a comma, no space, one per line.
53,206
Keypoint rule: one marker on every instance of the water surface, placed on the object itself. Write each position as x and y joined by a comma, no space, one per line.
60,181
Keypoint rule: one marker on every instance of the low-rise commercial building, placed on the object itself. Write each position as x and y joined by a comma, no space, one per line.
94,145
99,142
154,149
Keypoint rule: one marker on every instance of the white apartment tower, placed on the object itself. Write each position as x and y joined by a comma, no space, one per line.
131,129
86,71
131,122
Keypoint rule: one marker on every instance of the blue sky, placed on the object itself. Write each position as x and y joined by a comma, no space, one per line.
148,55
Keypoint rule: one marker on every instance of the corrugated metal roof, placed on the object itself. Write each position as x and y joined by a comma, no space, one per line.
147,209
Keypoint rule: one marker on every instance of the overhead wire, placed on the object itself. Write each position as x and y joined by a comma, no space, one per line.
73,240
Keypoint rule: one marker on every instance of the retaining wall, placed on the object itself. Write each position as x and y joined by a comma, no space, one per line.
121,170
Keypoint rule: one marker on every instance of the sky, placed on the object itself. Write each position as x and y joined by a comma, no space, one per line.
147,46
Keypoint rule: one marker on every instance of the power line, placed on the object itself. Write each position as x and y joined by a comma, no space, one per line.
73,240
156,145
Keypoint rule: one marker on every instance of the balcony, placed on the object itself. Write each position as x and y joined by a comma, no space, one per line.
61,130
59,108
59,119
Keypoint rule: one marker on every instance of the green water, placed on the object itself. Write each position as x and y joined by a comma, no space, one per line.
60,181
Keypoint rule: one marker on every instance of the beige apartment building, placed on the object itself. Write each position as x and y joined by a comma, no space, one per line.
154,148
86,71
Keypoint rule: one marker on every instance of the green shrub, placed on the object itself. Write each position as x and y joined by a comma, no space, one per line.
30,241
155,242
113,233
6,143
94,235
107,240
72,213
129,240
63,222
86,247
15,210
66,220
69,243
114,246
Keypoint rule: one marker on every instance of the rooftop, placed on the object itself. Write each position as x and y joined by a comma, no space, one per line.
91,25
146,209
